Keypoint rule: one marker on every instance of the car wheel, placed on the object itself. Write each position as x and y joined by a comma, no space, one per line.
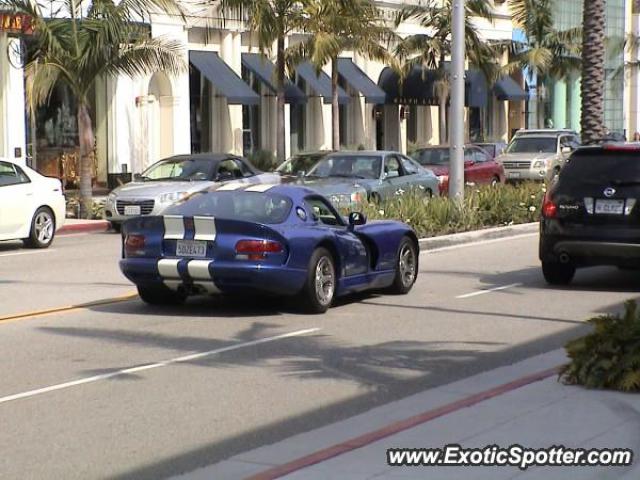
320,288
406,267
495,181
116,227
556,172
43,229
558,273
160,295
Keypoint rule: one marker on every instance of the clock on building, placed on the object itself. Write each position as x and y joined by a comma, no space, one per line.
16,52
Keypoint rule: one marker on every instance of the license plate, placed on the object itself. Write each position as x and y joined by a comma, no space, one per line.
132,210
513,174
191,248
610,207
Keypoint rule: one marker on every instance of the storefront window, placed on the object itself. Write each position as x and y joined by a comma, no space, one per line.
251,117
200,111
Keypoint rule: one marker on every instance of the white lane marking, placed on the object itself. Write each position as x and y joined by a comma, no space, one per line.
173,227
479,242
205,228
489,290
165,363
31,252
168,267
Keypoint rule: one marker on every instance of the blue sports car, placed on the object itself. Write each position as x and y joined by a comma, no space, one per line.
276,239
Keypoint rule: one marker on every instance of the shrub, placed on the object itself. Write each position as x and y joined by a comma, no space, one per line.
609,357
482,207
263,160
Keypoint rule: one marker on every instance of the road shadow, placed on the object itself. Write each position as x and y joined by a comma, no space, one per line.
8,246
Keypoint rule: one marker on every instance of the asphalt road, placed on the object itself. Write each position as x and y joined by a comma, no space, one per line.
124,390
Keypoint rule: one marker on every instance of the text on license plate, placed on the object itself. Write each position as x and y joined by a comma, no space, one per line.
132,210
514,174
191,248
611,207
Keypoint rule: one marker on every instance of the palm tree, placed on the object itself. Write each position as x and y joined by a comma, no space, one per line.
593,76
546,51
431,49
272,21
83,42
335,26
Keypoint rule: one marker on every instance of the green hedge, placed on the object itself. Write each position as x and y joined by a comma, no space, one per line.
482,208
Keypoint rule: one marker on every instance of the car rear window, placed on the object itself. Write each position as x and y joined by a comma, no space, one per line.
602,166
432,156
249,206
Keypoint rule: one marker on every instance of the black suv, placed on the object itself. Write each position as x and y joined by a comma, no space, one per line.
589,215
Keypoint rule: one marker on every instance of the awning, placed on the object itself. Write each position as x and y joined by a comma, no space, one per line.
264,69
320,84
506,88
223,78
359,81
418,88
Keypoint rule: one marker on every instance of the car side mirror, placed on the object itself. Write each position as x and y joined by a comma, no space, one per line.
391,174
137,177
357,218
566,150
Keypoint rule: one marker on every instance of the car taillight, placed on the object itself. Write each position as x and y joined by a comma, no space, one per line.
134,245
257,249
549,209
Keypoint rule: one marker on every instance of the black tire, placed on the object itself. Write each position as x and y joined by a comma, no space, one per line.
406,273
310,298
116,227
495,181
558,273
43,229
160,295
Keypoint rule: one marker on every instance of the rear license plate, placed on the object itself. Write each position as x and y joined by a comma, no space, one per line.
610,207
132,210
191,248
514,174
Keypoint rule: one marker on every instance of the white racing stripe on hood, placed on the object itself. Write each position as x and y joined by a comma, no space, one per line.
260,188
199,269
230,187
205,228
173,227
168,267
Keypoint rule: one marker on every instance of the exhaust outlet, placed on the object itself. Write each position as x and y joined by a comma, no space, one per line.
564,258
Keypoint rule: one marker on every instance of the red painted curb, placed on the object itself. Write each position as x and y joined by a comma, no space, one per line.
94,226
388,430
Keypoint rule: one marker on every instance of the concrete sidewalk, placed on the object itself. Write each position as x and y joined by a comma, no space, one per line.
518,404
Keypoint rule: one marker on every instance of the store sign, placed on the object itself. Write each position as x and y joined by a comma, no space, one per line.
16,23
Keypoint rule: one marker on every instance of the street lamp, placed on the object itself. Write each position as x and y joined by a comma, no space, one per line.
456,116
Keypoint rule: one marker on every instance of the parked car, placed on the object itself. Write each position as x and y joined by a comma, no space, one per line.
32,207
494,149
479,167
301,163
171,179
537,155
278,239
524,132
378,174
591,214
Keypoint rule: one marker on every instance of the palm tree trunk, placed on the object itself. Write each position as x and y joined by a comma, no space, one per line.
280,127
593,52
87,140
335,107
540,101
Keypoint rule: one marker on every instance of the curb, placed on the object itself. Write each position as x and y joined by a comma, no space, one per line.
454,239
90,226
399,426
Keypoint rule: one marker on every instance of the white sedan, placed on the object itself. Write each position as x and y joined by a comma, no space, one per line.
32,207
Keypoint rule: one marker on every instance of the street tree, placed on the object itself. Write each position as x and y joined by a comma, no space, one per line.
271,21
545,51
336,26
593,74
431,49
80,42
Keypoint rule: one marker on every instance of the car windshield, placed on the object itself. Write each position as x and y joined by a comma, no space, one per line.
602,167
299,163
533,145
432,156
187,169
490,148
249,206
350,166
